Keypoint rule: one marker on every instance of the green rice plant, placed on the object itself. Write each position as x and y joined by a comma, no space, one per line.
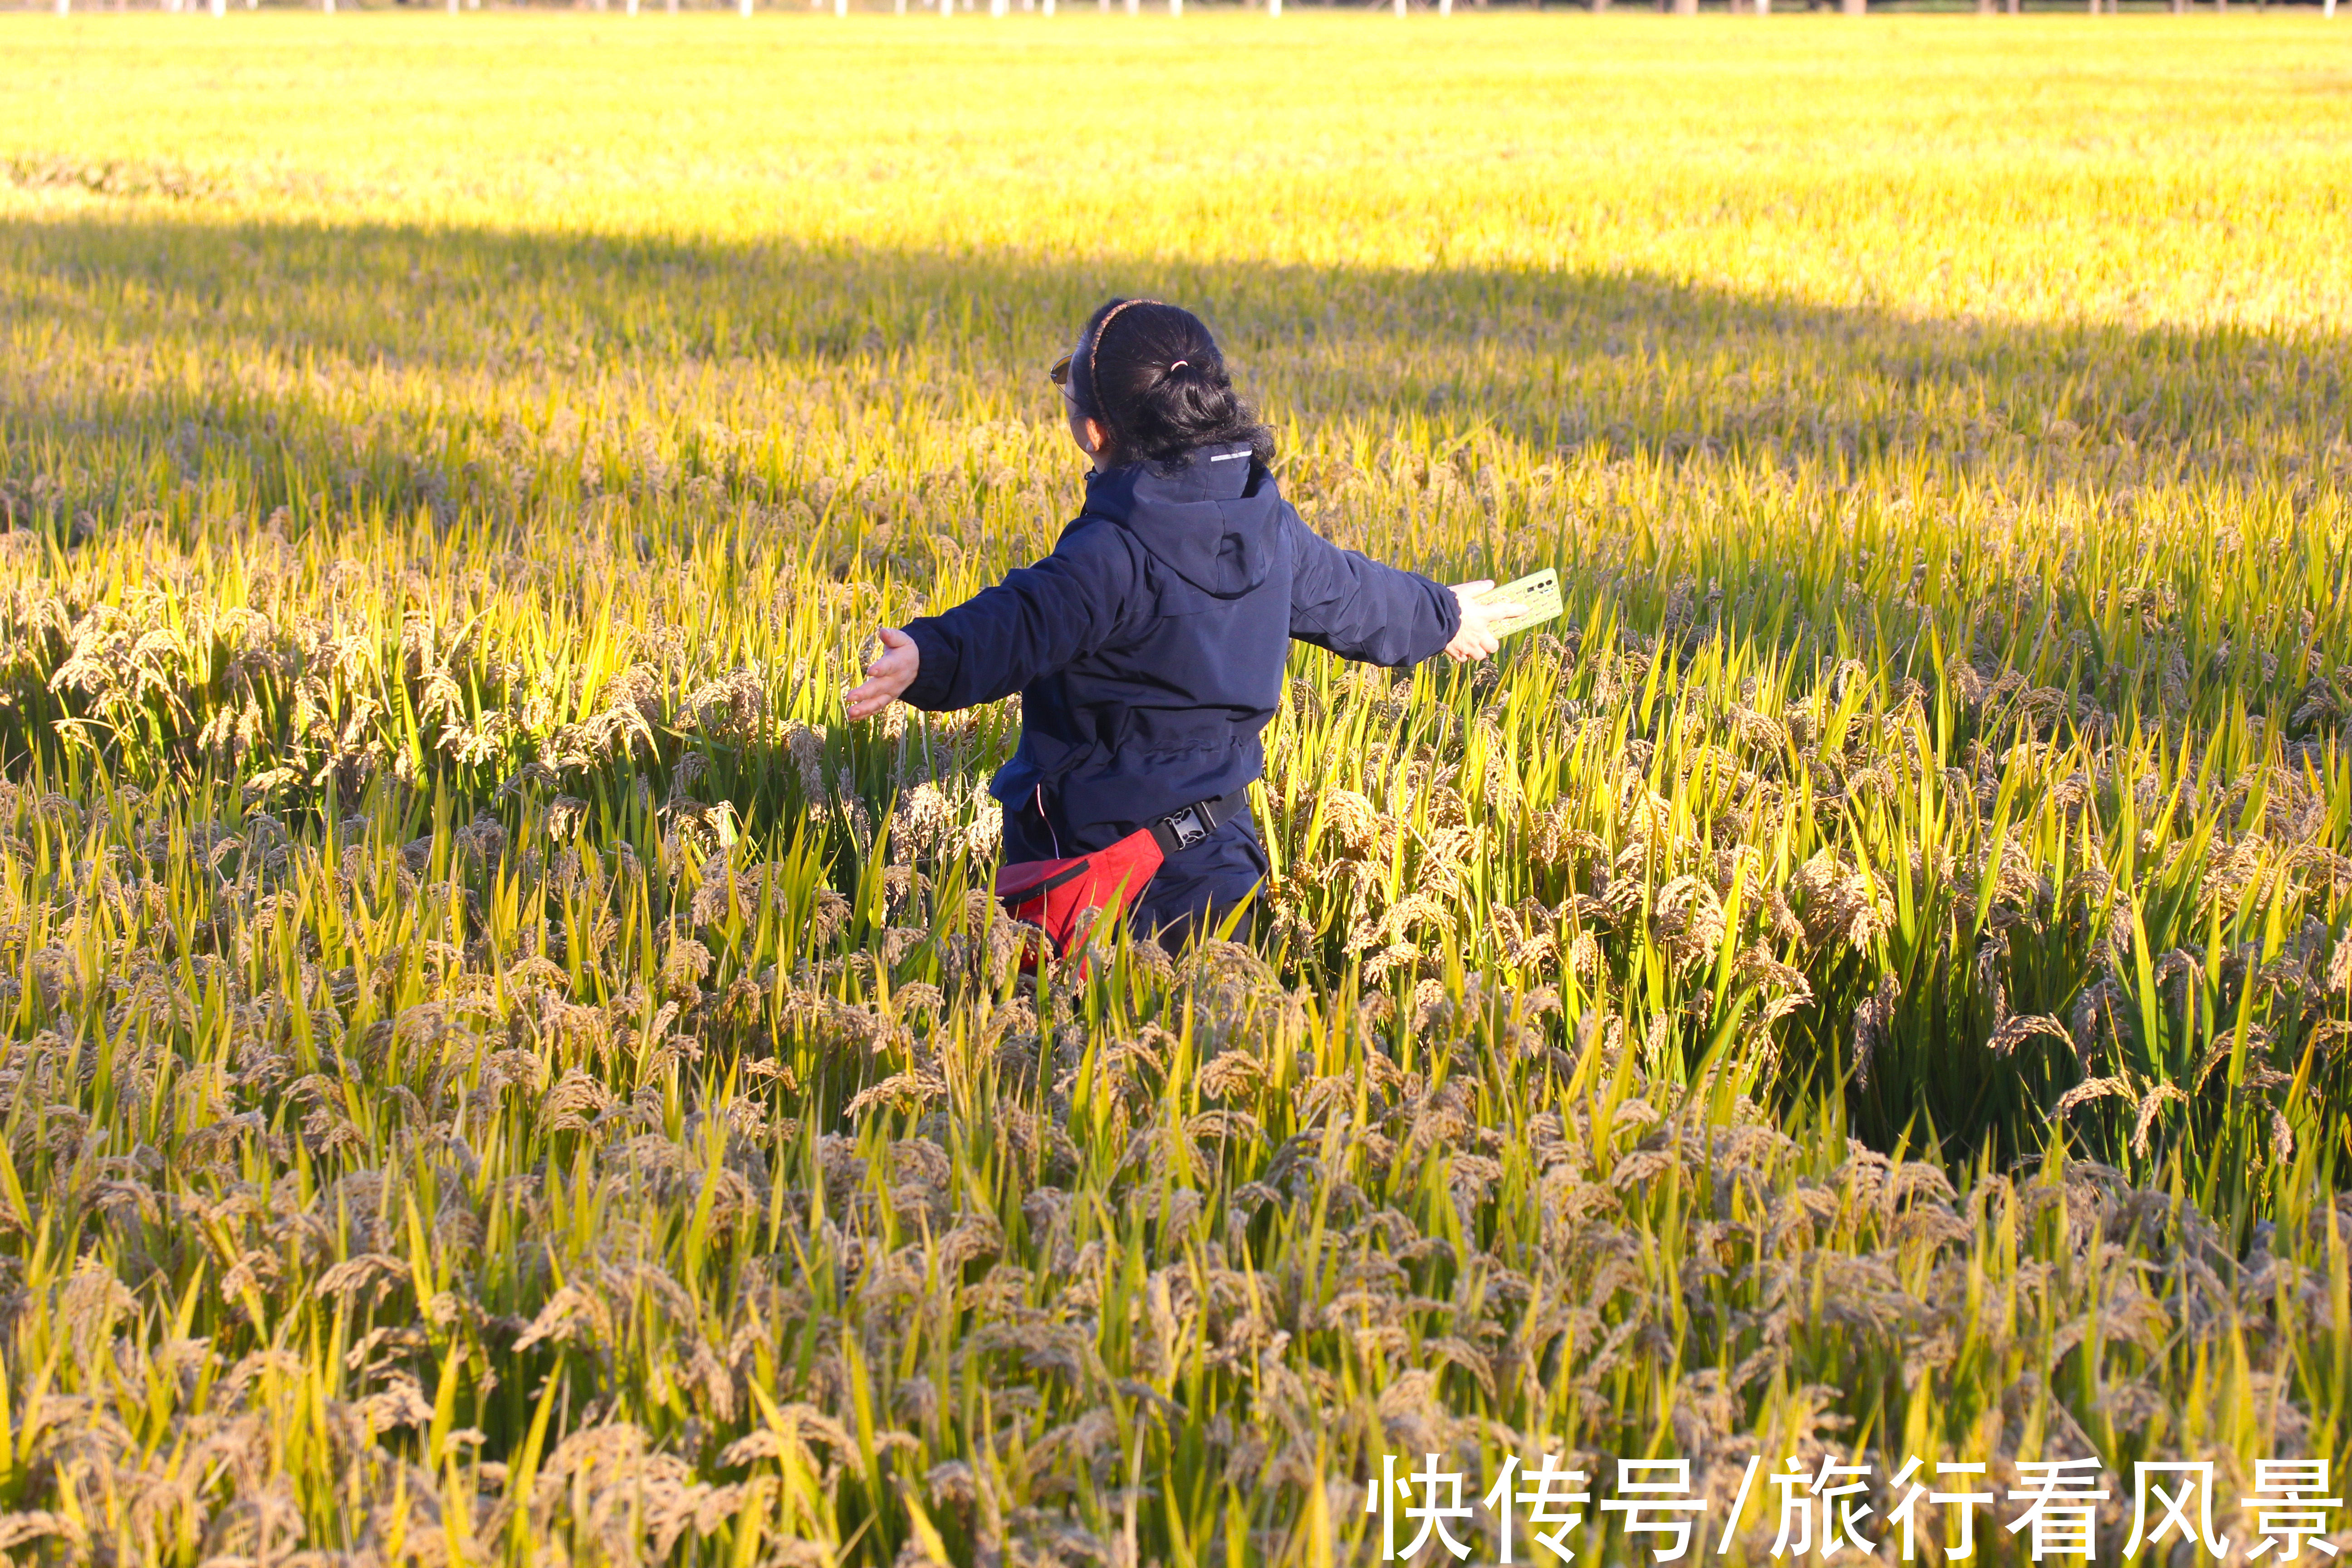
495,1069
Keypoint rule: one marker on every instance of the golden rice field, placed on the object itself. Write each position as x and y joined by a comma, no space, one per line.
495,1069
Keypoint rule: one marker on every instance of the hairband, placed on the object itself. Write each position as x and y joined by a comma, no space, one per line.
1094,348
1180,364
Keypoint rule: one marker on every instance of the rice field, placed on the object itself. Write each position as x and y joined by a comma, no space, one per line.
496,1069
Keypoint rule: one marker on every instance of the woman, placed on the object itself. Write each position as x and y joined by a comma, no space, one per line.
1148,648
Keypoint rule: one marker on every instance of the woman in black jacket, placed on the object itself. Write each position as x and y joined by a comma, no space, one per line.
1148,648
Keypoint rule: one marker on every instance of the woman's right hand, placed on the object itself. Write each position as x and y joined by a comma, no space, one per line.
1476,638
887,677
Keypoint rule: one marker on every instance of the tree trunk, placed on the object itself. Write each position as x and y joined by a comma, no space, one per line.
1853,8
1685,7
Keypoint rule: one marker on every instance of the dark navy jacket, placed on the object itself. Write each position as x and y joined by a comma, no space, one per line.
1148,648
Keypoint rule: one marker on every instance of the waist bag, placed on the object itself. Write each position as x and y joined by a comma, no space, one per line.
1065,897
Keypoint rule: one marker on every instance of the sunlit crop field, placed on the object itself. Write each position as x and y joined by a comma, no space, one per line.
495,1068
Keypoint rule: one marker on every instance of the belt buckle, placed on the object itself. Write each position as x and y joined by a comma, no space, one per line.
1187,826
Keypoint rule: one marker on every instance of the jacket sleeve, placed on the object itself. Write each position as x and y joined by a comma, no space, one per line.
1041,617
1359,609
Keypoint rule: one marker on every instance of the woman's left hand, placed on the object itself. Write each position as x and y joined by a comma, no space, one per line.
1477,638
887,677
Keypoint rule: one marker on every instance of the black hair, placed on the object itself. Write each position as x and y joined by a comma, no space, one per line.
1152,375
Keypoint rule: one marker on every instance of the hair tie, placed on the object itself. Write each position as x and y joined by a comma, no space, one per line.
1180,364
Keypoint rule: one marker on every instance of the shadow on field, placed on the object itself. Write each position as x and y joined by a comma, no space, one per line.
134,323
561,382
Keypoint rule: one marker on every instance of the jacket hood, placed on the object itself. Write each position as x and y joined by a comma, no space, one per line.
1214,521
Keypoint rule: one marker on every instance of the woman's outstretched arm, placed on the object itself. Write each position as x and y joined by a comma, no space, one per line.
996,642
1360,609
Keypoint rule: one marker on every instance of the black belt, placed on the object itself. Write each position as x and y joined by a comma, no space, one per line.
1187,826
